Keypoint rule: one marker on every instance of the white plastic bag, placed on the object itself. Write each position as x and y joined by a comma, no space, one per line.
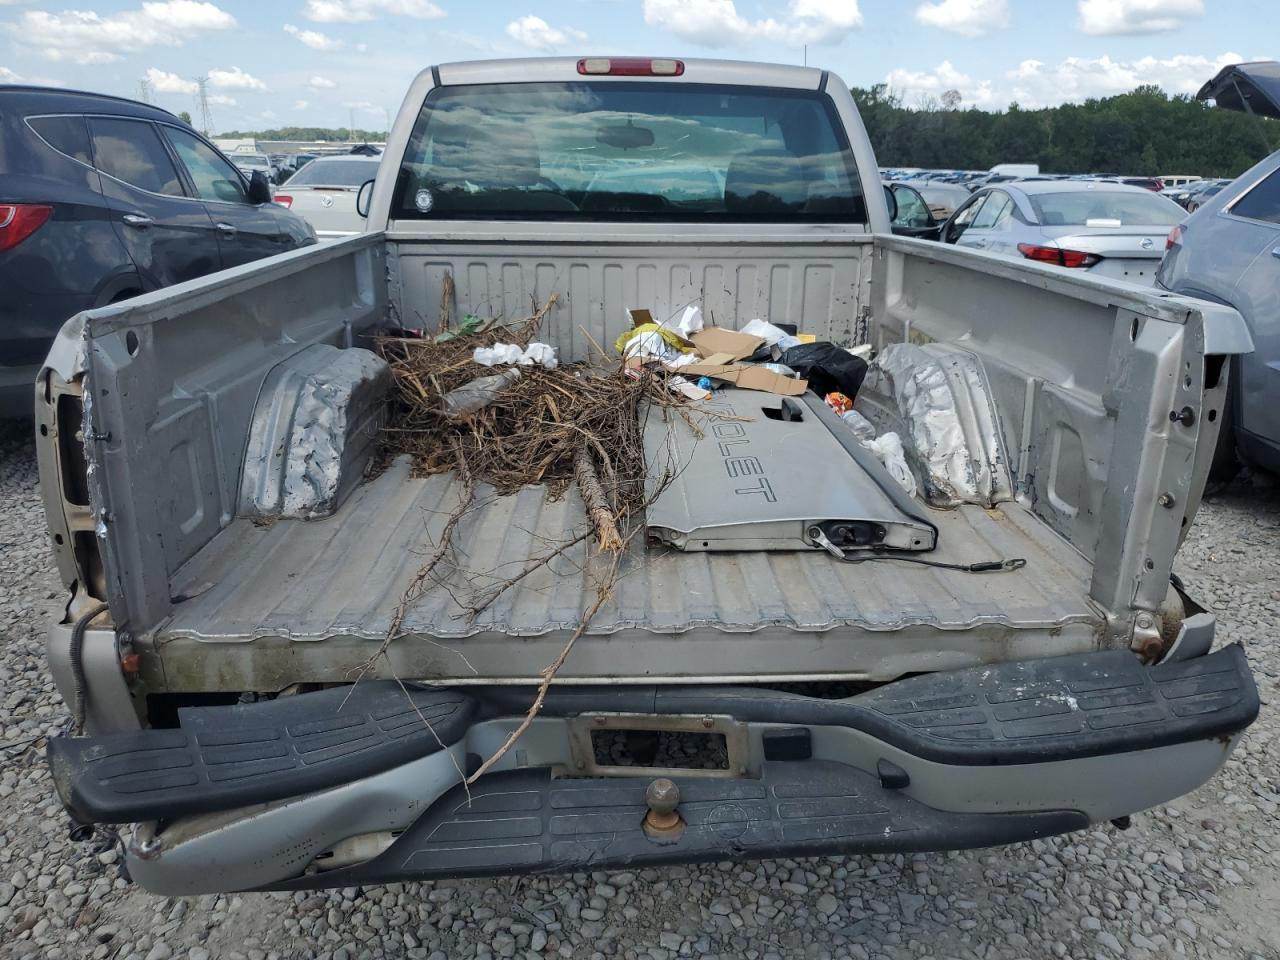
888,450
773,336
683,360
650,344
504,353
690,322
540,353
499,353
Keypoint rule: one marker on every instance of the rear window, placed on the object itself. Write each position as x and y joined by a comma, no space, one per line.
629,151
67,135
1262,202
335,173
1077,209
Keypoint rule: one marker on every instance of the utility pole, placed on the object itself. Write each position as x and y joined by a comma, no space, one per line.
806,54
351,124
144,90
206,120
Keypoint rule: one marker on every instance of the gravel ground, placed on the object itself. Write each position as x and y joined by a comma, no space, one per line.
1197,878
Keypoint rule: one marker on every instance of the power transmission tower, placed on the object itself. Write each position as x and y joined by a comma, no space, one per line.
206,119
144,90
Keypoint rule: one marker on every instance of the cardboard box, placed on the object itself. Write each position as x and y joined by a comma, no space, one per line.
715,340
748,376
640,316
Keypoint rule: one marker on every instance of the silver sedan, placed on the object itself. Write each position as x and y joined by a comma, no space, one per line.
1109,229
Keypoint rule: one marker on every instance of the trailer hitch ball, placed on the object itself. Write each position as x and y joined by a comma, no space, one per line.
662,821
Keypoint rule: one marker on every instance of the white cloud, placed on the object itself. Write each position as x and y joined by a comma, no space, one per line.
915,86
313,38
300,104
321,83
8,76
358,11
235,79
83,36
969,18
1105,17
717,23
163,82
221,99
1034,83
536,34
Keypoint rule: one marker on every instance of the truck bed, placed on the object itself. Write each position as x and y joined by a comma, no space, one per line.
260,596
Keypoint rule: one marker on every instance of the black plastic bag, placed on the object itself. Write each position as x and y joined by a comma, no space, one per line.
827,368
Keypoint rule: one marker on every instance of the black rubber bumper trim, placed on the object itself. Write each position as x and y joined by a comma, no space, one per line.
525,822
1027,711
225,757
1035,711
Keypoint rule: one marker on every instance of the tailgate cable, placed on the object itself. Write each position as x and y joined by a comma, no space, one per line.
984,566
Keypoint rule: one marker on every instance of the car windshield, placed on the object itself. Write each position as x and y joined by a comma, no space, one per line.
629,151
1076,209
252,161
335,173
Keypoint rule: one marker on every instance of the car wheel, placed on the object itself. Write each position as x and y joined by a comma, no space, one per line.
1192,207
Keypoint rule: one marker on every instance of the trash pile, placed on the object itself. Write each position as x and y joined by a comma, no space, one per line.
761,356
534,421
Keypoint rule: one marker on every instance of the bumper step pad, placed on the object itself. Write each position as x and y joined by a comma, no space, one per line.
523,821
1034,711
221,758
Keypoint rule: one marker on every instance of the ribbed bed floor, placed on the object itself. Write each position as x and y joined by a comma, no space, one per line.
309,581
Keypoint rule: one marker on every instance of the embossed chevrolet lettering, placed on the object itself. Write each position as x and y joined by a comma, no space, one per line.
738,463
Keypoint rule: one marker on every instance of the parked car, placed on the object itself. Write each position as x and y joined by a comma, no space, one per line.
325,192
102,199
1180,194
250,163
239,565
1198,198
1106,228
910,215
1174,181
1228,251
1146,183
942,196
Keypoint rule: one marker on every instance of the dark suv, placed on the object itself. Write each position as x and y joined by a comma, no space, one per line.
102,199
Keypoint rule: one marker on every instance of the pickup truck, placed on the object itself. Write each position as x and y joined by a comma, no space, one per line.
231,562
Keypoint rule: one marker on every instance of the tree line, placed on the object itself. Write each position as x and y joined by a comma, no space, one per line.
1144,132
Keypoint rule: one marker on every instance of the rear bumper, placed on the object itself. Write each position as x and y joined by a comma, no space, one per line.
268,795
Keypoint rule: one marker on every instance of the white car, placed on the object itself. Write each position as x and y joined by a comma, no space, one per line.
324,192
1109,229
251,162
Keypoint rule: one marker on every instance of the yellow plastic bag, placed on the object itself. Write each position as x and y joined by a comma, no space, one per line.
671,338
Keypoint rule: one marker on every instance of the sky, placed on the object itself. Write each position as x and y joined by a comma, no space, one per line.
326,62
